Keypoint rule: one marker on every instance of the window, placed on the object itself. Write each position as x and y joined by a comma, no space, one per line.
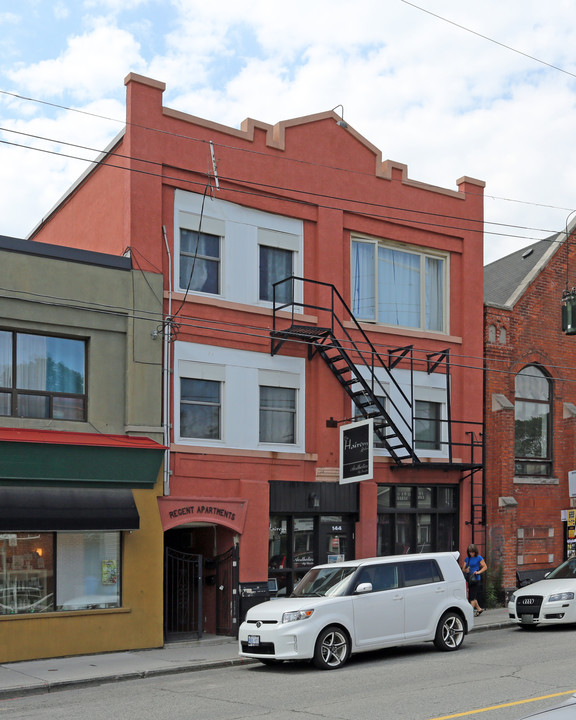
44,572
275,264
421,572
199,261
277,415
532,422
88,570
234,253
239,398
427,425
200,408
398,287
42,376
416,518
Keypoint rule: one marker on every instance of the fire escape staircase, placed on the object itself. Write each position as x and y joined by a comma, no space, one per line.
356,365
372,386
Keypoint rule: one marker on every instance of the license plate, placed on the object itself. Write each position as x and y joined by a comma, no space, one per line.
527,619
253,640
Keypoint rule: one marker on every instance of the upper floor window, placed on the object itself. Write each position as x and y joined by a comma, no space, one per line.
532,422
239,398
427,425
200,405
199,261
403,287
275,264
277,415
235,253
42,376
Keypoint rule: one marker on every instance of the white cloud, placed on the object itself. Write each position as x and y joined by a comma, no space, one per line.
88,69
444,101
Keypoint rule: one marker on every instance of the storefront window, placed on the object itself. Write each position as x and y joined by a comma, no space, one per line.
296,544
26,573
88,570
43,572
416,519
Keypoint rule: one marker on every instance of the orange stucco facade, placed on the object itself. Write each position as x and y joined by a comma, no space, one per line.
333,182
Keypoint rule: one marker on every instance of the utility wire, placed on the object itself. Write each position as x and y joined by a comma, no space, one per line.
222,145
105,162
485,37
262,333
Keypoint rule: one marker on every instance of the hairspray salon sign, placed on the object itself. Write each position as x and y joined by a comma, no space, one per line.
357,451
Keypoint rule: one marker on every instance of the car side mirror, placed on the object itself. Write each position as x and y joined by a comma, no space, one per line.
363,588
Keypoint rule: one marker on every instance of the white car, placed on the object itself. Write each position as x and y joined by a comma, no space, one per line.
351,607
549,601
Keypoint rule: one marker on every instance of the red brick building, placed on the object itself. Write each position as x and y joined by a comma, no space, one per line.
530,407
306,282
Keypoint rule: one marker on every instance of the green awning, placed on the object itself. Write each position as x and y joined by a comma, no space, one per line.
51,458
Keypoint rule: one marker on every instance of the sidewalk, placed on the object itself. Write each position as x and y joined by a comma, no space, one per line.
41,676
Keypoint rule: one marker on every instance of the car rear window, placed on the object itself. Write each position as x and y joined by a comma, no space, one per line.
421,572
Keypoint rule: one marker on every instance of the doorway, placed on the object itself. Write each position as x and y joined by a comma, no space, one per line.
201,581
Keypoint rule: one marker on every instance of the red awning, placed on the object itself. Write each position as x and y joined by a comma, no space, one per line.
59,437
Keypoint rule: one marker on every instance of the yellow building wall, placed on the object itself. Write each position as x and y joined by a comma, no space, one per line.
137,624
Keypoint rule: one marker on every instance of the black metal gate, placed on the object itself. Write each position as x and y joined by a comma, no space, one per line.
182,595
226,592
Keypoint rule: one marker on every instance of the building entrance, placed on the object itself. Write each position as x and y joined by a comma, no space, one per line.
200,581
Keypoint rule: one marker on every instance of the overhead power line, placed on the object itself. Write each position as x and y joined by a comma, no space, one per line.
295,191
221,145
489,39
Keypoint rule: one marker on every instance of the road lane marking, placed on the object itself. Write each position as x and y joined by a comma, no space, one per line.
503,705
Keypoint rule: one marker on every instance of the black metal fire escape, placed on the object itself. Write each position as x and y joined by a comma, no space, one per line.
370,382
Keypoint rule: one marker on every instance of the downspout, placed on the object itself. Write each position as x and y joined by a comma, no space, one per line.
167,335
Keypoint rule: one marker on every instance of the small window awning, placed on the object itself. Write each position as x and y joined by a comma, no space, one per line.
56,458
28,509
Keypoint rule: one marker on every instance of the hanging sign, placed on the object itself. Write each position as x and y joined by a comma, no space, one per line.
572,483
357,451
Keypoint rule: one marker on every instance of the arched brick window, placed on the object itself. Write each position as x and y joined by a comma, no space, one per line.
533,422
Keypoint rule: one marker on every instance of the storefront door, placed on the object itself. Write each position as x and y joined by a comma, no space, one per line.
336,539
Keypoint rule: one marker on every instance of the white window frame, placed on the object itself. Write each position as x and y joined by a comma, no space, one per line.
242,373
280,241
241,230
210,226
422,254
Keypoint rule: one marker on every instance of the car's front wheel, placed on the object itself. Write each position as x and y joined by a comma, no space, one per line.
450,632
332,648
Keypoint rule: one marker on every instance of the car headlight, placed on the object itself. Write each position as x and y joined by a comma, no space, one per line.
296,615
512,598
561,596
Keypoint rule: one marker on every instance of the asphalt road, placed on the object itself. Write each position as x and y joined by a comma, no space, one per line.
488,678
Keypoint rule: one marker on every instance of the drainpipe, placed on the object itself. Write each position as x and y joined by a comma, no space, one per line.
167,335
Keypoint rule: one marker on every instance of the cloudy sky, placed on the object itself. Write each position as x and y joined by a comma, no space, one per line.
448,87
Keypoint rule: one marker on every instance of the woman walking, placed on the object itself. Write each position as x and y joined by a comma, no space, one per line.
474,567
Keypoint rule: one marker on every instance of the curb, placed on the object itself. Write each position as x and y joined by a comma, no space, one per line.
58,686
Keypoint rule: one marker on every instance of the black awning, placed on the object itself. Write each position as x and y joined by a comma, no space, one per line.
51,509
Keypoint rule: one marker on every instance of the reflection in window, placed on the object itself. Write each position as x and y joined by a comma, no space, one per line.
532,422
44,572
200,408
415,519
26,573
42,376
199,261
